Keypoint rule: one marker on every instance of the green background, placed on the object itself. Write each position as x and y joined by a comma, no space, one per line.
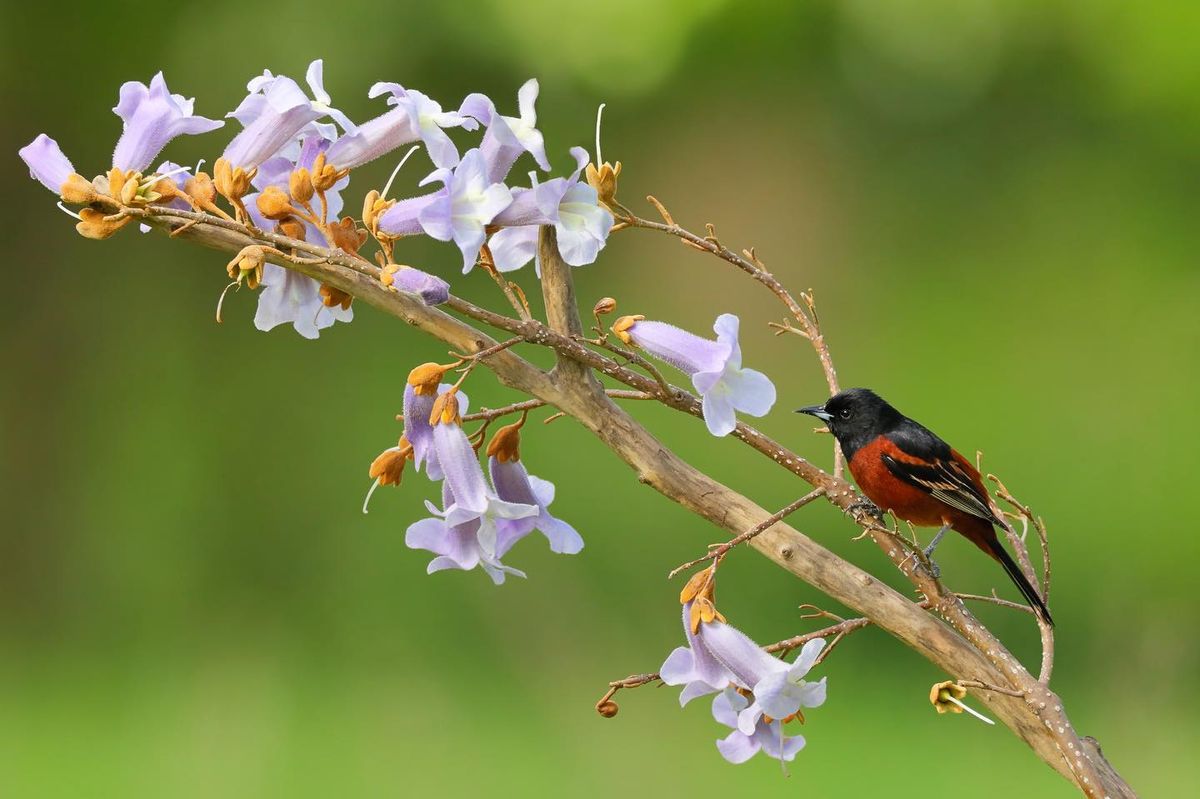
996,205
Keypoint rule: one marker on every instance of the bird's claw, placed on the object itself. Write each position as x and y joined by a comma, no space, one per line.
867,506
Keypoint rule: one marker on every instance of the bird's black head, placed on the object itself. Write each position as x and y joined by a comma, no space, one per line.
855,416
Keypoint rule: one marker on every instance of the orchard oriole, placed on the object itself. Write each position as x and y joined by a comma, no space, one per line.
904,468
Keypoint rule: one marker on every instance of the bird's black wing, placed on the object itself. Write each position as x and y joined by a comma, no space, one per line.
939,472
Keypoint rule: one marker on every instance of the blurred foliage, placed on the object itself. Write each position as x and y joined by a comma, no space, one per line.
996,205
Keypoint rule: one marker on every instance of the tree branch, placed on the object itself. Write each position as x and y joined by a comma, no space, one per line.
971,652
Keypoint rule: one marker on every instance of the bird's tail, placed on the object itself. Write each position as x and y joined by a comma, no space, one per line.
1018,577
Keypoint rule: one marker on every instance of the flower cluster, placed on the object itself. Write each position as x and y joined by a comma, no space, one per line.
479,522
756,694
287,167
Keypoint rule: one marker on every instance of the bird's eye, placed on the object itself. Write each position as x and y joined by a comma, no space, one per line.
846,413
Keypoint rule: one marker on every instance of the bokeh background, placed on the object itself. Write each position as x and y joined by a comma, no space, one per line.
996,204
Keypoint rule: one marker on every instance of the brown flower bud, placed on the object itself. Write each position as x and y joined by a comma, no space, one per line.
941,693
291,227
621,327
274,204
78,190
605,305
201,189
604,181
346,236
388,466
331,297
445,409
93,224
300,185
247,265
426,378
505,446
233,182
607,708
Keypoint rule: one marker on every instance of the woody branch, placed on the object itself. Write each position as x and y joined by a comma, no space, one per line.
965,648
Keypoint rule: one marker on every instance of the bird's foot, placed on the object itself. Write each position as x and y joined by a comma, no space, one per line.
866,506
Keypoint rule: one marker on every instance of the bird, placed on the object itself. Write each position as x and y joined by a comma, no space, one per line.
903,467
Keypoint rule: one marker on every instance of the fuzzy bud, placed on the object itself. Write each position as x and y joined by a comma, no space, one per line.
605,305
274,204
426,378
300,185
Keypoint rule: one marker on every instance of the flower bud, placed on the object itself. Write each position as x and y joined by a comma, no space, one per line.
93,224
78,190
621,327
331,297
388,466
604,181
300,185
201,189
247,265
606,305
274,204
505,446
292,227
426,378
445,409
607,708
940,696
231,181
346,236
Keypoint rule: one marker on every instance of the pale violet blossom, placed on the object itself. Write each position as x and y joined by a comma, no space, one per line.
514,483
473,497
739,746
508,137
419,431
414,117
458,212
275,112
153,116
286,296
581,224
693,666
46,162
779,687
471,542
714,366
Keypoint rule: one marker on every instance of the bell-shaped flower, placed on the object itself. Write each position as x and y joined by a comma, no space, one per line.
508,137
473,497
765,737
714,366
581,224
414,117
513,483
153,116
421,391
460,211
693,666
275,112
472,542
779,688
46,162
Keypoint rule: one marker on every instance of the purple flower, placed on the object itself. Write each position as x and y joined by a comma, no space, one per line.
473,497
779,688
514,484
46,162
153,116
274,114
459,211
418,405
715,367
470,543
740,746
414,117
430,288
508,137
693,666
580,222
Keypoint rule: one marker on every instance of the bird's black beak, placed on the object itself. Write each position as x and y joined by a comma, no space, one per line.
817,411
